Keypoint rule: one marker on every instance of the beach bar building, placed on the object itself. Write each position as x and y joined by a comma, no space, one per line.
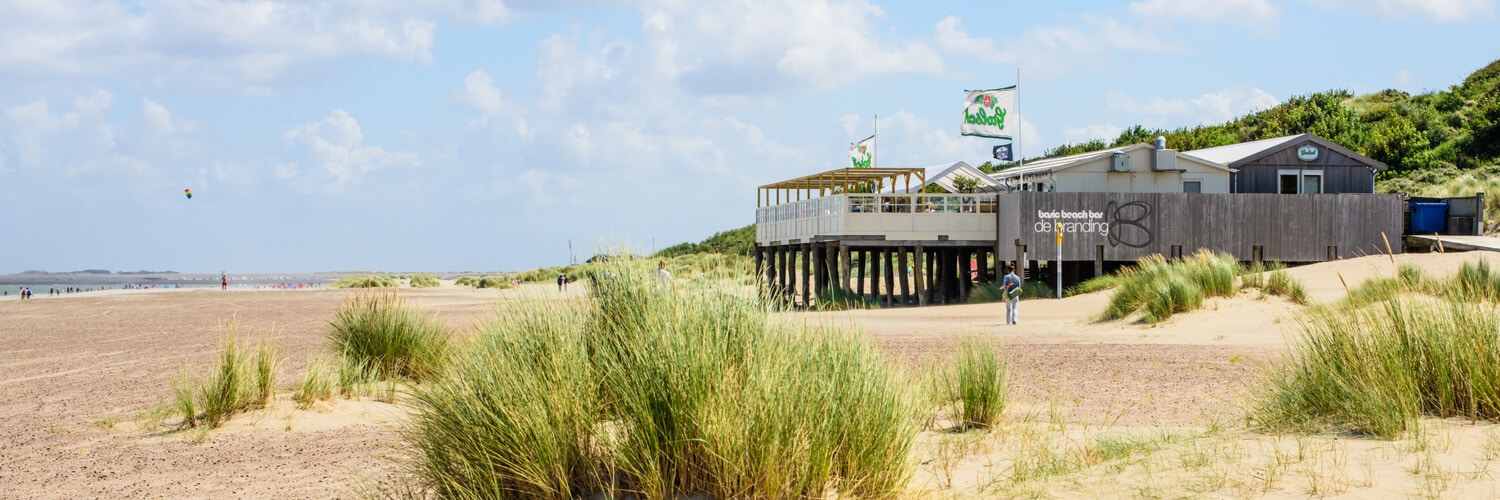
1294,199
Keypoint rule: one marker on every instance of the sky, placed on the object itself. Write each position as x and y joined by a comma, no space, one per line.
490,135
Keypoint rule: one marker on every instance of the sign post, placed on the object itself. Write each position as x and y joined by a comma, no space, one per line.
1057,267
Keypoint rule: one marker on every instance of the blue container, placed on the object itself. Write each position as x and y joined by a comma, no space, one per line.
1429,218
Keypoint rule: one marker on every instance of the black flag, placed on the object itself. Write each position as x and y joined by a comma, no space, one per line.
1002,152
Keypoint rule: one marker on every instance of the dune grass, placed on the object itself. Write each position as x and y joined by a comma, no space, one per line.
424,281
367,281
661,393
1091,285
1159,288
973,386
1396,349
243,379
983,293
838,299
317,384
378,332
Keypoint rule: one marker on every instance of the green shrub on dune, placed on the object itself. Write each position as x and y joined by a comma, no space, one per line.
424,281
367,281
661,393
379,332
1159,288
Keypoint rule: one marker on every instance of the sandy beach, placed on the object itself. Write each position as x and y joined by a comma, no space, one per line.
77,371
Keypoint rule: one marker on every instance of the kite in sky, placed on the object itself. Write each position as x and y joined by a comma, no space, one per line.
188,192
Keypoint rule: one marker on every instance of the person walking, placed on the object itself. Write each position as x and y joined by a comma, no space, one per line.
562,283
223,281
1012,285
663,276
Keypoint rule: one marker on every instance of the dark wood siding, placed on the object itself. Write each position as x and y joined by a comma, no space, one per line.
1288,228
1341,173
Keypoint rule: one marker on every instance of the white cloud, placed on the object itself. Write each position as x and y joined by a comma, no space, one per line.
754,46
158,117
1106,132
335,147
1242,11
1207,108
1405,80
480,93
236,45
1052,49
1439,10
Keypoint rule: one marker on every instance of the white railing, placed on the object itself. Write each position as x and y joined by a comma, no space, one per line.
895,216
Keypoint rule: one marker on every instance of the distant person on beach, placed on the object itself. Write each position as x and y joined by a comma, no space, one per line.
562,283
663,276
223,281
1012,285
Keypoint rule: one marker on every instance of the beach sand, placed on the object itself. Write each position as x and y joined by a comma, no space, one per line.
77,371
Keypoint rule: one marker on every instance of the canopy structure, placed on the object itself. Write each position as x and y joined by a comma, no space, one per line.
838,180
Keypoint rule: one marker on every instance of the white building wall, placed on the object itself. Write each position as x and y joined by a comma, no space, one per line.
1096,176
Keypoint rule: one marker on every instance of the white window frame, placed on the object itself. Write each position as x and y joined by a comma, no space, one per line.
1302,176
1302,186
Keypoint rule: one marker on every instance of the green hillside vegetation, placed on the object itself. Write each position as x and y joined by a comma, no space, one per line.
739,241
1449,131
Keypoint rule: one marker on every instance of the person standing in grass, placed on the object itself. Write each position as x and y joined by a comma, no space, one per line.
1012,285
562,283
663,276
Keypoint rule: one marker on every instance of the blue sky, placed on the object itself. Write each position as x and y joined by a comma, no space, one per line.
485,135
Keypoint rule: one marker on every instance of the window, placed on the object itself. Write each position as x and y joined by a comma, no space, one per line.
1299,181
1288,183
1192,186
1312,182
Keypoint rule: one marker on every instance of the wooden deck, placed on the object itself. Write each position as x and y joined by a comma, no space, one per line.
1454,242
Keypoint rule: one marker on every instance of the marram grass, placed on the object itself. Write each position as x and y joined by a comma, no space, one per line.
652,392
243,379
378,332
973,386
1395,350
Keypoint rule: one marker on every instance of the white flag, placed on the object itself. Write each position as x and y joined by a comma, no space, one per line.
987,113
862,153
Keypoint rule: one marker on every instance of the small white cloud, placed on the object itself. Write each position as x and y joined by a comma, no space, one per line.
336,146
158,117
1052,49
480,93
1207,108
1405,80
1106,132
1438,10
1242,11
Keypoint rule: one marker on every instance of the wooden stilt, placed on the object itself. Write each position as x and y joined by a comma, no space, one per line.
965,274
845,266
903,275
890,276
921,263
806,275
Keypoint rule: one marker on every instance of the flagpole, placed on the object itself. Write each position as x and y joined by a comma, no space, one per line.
876,153
1019,155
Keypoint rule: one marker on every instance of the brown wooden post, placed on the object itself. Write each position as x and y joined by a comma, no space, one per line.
965,274
864,262
890,278
806,272
786,272
844,264
920,258
815,250
903,275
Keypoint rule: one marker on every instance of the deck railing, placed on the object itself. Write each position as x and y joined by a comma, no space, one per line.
894,216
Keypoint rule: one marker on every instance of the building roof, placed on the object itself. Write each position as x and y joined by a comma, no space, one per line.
951,171
1237,155
1049,165
844,177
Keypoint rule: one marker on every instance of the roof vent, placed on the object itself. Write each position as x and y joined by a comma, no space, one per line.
1161,142
1119,162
